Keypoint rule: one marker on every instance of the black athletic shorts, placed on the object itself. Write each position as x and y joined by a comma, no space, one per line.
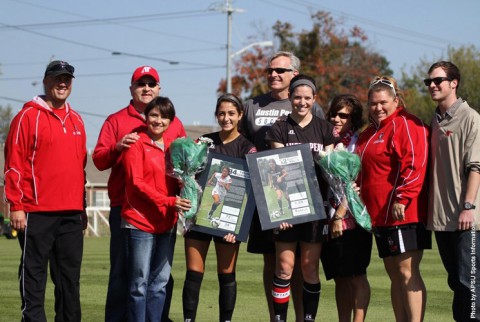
205,237
260,242
310,232
280,186
348,255
399,239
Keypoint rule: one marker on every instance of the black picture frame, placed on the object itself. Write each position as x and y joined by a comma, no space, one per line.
300,183
234,213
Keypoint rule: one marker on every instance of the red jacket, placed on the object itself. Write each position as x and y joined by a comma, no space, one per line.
394,156
105,156
45,158
150,193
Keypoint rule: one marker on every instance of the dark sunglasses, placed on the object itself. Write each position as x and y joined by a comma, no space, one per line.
343,116
149,84
437,80
278,70
60,67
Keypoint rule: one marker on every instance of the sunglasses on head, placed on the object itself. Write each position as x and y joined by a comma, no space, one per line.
149,84
61,66
385,82
437,80
343,116
278,70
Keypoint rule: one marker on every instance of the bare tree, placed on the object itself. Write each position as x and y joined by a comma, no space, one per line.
6,116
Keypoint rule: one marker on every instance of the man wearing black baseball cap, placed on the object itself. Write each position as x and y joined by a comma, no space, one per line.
58,67
45,157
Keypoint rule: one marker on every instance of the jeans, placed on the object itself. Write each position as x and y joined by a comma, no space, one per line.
149,264
460,252
117,294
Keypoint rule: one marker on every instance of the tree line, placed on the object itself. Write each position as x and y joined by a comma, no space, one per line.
341,61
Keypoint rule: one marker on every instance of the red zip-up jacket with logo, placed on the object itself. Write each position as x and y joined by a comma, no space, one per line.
150,193
394,157
105,156
45,158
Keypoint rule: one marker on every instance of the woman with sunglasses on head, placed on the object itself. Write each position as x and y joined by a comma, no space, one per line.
228,141
394,157
149,214
346,255
301,126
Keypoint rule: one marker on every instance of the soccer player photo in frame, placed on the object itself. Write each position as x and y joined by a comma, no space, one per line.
285,186
227,202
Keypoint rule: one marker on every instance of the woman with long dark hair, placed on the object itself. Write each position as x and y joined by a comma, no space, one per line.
228,141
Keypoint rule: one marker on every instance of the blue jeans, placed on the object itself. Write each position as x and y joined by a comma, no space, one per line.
149,264
117,294
460,253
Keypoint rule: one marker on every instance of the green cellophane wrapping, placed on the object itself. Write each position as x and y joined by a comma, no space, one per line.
187,158
341,168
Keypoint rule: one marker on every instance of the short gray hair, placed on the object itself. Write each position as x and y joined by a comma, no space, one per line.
295,62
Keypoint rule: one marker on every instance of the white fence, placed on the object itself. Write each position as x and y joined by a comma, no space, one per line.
98,221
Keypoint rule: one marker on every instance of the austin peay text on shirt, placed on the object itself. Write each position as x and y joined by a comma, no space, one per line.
314,147
269,116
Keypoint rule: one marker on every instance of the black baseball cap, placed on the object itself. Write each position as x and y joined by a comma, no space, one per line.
58,67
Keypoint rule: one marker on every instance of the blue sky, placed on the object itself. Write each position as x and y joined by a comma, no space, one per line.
85,33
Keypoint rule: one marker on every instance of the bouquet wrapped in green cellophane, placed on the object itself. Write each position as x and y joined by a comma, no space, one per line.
340,167
187,158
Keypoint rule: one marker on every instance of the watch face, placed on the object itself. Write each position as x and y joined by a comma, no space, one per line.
468,206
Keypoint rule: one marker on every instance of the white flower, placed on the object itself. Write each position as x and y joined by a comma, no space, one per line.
340,147
322,154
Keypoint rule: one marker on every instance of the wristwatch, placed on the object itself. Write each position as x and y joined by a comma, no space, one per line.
468,206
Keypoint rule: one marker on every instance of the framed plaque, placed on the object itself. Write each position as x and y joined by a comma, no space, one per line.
227,202
285,186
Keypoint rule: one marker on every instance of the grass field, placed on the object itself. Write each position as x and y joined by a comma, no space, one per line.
206,206
251,305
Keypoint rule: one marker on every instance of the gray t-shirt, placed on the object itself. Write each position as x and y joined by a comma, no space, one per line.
261,112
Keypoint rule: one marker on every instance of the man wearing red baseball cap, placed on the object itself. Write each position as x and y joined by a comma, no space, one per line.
117,134
145,71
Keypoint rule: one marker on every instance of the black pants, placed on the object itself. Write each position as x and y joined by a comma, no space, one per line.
460,254
57,236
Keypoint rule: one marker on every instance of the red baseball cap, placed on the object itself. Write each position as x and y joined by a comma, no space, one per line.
145,71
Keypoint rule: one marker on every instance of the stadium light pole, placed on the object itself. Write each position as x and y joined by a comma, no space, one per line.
266,43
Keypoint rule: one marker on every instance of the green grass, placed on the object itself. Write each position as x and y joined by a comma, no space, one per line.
251,305
206,206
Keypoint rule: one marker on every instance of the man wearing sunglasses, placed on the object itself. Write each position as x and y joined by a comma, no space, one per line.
454,188
261,112
45,158
117,134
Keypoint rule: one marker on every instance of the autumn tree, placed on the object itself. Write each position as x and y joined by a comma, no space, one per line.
417,97
339,60
251,77
6,116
